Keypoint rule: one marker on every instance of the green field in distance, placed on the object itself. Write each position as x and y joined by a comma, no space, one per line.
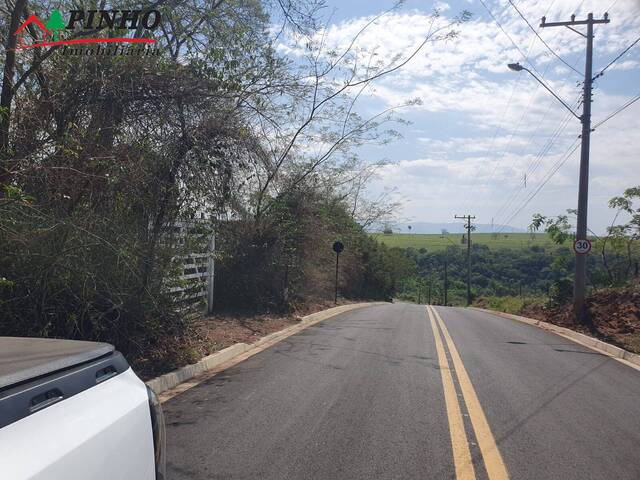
435,242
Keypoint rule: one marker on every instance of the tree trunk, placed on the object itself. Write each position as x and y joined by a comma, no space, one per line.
6,96
605,263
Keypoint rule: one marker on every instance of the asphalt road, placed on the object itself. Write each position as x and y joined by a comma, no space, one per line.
393,392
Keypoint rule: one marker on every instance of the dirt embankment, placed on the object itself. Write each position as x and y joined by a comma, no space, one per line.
614,315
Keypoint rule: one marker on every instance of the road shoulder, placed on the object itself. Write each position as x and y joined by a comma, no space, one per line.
173,383
623,356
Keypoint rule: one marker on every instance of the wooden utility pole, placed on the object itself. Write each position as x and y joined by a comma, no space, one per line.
580,282
468,218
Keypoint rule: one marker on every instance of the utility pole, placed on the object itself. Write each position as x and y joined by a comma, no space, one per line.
431,279
468,218
580,282
335,297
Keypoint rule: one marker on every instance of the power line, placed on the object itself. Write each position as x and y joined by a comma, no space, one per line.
617,111
554,137
502,213
526,111
503,116
550,174
616,59
590,22
611,6
513,197
495,135
542,40
556,167
509,36
544,150
532,168
507,148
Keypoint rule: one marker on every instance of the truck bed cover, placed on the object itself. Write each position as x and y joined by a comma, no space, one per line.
22,359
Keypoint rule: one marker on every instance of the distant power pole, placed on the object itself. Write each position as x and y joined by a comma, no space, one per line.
468,218
580,282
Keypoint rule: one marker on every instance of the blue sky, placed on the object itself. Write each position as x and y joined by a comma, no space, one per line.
481,127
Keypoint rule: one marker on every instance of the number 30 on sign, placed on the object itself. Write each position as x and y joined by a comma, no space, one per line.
582,246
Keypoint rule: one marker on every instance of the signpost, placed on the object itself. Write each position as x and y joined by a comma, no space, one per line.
582,246
337,247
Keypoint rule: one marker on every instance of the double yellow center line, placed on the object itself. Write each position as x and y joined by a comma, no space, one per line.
463,463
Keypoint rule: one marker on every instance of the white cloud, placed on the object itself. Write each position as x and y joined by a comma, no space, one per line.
441,6
503,121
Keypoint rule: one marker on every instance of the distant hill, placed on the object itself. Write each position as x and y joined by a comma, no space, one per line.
457,227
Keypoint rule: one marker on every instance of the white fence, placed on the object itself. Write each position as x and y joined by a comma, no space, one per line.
195,282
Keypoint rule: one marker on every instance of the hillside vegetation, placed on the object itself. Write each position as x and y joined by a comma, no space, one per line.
115,171
436,242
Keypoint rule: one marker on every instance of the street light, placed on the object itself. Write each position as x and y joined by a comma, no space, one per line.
516,67
580,280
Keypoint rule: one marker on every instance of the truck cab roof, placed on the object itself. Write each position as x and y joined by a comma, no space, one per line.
23,359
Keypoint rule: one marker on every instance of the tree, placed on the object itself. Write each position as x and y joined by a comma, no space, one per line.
55,24
559,228
108,158
622,236
328,85
616,247
8,90
102,160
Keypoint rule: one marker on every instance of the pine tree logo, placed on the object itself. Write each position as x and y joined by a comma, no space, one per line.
55,24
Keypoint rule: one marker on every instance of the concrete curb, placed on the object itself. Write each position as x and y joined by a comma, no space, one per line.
171,380
618,353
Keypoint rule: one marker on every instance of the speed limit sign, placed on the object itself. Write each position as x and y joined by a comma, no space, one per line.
582,246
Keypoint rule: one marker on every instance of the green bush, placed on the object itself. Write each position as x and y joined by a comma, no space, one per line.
560,292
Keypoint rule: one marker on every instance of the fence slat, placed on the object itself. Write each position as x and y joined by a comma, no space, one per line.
197,268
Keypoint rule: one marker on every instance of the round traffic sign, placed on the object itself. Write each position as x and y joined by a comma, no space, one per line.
338,247
582,246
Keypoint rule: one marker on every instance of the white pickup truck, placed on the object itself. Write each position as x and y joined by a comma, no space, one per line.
76,411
